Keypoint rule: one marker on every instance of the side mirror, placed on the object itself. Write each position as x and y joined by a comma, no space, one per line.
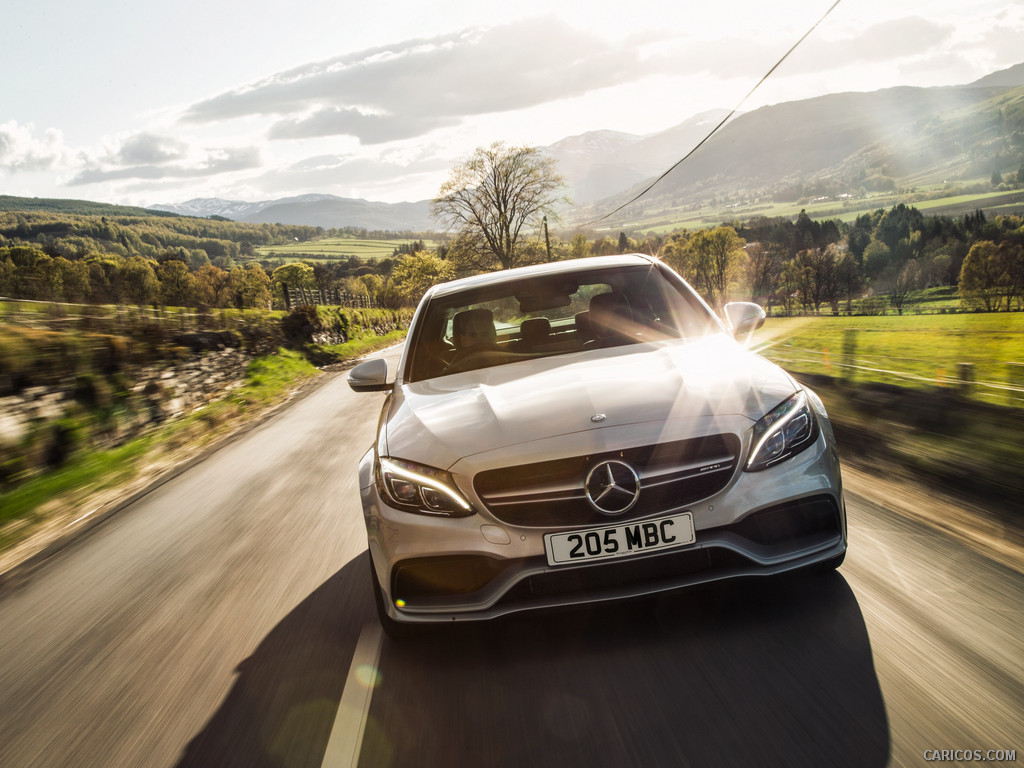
371,376
744,318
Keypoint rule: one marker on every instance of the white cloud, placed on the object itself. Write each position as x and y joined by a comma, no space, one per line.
212,163
149,148
413,87
22,150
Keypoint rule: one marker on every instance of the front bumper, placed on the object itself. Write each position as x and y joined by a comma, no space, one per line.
473,568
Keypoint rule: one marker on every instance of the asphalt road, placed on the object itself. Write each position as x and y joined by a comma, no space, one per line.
215,622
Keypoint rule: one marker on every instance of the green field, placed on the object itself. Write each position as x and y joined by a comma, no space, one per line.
911,351
336,248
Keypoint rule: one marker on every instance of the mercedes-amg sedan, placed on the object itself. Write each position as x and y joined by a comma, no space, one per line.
582,431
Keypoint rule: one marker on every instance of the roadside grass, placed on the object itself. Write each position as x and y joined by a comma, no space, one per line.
268,381
979,355
330,354
936,398
936,439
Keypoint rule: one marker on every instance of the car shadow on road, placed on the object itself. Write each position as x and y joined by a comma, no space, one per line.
281,708
759,672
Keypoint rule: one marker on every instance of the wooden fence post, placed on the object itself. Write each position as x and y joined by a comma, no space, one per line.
1015,378
966,378
848,373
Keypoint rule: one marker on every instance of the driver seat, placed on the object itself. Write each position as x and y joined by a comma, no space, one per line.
475,326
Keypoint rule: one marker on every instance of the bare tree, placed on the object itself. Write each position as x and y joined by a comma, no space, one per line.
492,196
763,270
907,280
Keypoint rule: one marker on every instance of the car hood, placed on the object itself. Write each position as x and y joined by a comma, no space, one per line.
442,420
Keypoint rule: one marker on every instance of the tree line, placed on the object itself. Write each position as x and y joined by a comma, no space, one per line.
798,266
496,206
790,265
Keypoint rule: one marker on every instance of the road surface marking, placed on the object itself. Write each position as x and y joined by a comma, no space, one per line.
347,734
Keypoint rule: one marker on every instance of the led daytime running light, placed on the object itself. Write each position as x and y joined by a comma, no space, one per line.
773,424
394,469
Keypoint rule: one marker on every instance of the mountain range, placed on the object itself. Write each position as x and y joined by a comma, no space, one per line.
328,211
836,144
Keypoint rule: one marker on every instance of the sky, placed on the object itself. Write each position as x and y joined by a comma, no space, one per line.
140,102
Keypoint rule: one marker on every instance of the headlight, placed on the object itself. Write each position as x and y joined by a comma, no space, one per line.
417,488
783,432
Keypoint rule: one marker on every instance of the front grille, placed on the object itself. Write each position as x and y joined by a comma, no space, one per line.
551,492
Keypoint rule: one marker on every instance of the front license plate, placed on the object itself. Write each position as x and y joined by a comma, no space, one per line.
620,540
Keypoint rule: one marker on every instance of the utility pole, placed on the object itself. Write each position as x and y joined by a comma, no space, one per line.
547,240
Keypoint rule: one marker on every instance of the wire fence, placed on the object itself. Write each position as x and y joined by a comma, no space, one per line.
330,297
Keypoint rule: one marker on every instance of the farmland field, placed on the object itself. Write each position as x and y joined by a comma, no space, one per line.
336,248
847,209
912,350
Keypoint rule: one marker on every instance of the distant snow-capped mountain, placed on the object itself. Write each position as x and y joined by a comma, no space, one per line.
236,210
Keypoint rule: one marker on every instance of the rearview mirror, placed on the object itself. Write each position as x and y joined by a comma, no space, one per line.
744,318
371,376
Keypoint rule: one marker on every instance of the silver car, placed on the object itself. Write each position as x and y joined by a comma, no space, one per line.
582,431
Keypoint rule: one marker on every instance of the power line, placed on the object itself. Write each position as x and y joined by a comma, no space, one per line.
723,121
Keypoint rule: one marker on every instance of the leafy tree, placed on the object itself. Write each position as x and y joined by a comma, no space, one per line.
45,280
74,279
177,284
877,259
898,223
415,273
293,275
1011,268
213,286
979,276
579,247
251,287
492,196
323,276
711,259
138,281
7,276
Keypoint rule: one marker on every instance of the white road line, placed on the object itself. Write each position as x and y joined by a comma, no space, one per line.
347,734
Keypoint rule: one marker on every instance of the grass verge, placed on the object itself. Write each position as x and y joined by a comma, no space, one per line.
935,438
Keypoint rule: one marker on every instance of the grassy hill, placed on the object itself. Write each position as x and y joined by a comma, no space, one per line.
75,207
848,152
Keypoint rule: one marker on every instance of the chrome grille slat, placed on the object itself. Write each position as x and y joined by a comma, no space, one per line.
502,501
551,493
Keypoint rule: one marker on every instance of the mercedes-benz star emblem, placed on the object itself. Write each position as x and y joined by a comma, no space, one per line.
612,487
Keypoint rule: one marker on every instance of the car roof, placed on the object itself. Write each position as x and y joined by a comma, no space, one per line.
537,270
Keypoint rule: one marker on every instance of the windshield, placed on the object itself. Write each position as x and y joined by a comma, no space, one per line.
550,315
